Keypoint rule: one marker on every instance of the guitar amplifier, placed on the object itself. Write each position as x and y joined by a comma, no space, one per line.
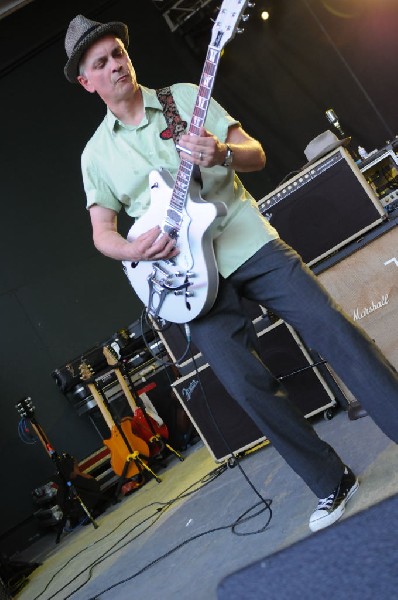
324,207
220,421
68,377
365,284
380,170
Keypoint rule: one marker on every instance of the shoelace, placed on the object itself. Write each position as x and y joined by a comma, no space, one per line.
325,503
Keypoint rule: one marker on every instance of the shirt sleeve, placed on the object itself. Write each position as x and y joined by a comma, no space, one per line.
96,189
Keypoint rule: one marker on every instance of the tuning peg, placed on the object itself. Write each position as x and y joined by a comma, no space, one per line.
20,409
25,406
251,4
245,18
240,30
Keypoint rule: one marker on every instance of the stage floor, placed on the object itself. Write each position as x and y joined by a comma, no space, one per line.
180,538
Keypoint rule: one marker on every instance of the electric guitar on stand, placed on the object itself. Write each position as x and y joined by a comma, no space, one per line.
143,424
66,465
129,452
184,287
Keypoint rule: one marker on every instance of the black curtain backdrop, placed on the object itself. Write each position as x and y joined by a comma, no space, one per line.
58,296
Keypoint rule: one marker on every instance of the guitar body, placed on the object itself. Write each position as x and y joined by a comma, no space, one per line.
120,452
141,427
185,287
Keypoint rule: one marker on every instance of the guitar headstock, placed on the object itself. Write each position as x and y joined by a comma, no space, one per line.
110,355
25,408
86,371
227,22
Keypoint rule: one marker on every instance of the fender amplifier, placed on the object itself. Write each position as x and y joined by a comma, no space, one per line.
324,207
221,422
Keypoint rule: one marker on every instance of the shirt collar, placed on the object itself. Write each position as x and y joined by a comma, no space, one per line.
150,100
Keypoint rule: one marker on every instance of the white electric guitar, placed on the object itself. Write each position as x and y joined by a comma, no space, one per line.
182,288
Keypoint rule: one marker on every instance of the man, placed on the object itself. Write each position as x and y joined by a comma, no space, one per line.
253,262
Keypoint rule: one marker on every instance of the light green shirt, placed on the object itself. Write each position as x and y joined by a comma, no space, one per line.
118,158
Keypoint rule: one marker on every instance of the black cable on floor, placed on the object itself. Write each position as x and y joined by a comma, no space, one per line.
245,517
266,502
161,507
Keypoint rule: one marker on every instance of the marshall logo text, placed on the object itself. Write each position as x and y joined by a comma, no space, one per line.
367,310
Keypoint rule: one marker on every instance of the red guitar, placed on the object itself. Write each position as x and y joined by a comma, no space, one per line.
142,424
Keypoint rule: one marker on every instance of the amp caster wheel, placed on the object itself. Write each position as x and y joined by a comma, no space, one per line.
328,414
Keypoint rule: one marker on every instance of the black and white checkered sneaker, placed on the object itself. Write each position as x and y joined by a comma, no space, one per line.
330,509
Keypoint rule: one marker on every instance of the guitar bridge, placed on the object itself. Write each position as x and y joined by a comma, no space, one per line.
160,288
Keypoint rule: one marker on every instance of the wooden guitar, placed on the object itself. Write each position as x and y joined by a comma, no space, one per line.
142,424
182,288
128,451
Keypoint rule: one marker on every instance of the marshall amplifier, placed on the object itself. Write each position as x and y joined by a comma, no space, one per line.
365,284
324,207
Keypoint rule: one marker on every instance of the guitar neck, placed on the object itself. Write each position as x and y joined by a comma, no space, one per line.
101,405
113,363
230,13
126,389
185,170
205,90
42,436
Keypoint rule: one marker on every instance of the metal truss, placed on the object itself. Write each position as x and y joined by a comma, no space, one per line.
178,12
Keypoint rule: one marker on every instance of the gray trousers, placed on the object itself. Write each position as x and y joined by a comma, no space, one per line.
276,278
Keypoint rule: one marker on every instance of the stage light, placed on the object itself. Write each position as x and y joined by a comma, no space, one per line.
265,15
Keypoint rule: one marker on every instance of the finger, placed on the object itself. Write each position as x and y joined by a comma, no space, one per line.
162,246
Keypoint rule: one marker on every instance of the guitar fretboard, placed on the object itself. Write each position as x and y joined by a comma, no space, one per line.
180,191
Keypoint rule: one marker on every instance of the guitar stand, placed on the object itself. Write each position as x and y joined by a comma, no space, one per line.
64,468
156,437
142,466
70,495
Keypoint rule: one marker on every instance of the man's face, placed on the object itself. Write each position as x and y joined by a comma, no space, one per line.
106,69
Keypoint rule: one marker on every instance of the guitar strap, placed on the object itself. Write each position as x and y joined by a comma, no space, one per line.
175,125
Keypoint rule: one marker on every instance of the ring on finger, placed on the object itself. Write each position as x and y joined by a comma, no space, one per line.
201,155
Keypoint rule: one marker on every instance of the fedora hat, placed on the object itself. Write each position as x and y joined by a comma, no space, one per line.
323,144
83,32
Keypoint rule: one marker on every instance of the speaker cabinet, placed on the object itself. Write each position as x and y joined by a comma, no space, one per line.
365,284
222,424
324,207
217,411
287,358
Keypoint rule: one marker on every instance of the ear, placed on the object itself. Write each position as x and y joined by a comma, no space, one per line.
84,82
